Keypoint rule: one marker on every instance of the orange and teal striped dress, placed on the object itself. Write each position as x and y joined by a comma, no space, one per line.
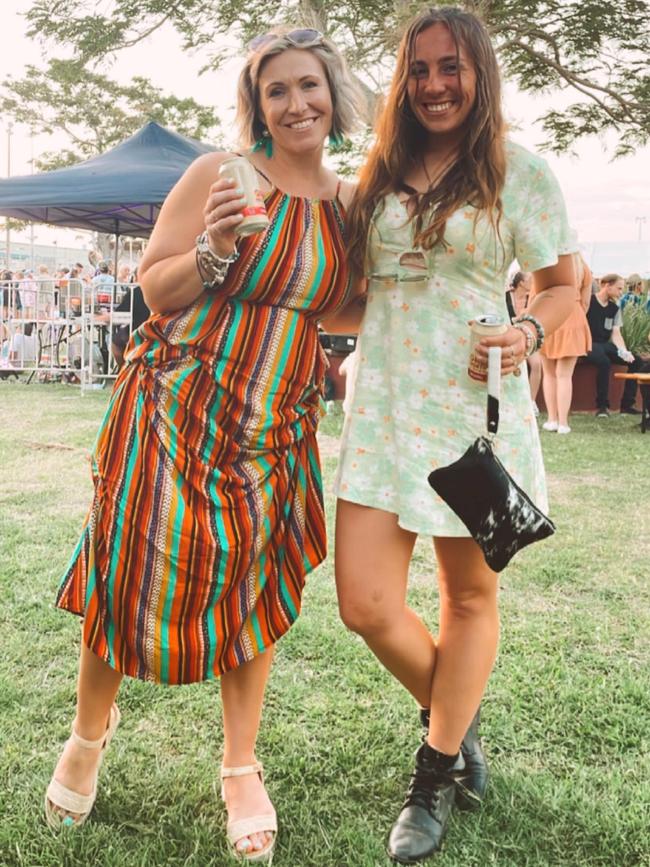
208,509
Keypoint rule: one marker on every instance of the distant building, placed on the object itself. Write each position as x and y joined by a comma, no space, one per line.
54,256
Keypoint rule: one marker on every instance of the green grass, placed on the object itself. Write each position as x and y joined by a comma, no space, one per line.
566,715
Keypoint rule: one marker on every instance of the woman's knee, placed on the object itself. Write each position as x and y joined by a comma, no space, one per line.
475,595
366,616
470,601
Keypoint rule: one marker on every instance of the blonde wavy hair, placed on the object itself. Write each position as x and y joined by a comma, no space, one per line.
347,102
478,174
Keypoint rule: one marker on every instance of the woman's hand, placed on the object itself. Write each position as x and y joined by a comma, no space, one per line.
222,214
513,349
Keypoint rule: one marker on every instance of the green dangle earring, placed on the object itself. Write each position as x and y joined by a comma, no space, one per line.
265,143
335,141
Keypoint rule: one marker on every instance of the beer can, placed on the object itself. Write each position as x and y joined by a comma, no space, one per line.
489,325
244,175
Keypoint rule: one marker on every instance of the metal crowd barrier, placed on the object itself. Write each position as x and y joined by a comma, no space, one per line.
60,331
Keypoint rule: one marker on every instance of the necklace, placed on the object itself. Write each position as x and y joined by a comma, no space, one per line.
440,171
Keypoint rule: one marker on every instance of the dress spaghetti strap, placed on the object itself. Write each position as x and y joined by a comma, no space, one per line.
259,171
273,187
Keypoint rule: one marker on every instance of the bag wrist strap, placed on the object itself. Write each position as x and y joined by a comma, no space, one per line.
493,389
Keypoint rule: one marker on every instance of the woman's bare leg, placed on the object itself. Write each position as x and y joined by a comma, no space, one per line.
242,696
534,374
564,387
549,387
97,688
467,640
372,560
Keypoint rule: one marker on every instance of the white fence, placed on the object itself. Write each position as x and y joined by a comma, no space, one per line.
61,331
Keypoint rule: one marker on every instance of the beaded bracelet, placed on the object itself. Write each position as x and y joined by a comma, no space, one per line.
539,328
531,340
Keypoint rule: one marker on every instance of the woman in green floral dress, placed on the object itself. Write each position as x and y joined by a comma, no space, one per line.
445,204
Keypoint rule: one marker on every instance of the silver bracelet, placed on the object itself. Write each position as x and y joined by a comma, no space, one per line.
212,268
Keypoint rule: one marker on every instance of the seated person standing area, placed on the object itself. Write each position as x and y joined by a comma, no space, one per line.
608,345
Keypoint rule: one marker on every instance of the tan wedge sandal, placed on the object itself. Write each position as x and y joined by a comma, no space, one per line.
253,824
60,796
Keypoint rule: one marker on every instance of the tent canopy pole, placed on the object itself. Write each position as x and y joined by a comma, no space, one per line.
117,251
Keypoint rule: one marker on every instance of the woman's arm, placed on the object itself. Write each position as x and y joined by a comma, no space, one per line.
348,319
554,291
585,289
199,201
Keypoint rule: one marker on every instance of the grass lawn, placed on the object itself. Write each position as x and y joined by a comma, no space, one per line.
566,715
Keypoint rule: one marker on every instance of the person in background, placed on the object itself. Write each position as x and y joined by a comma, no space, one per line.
608,346
47,292
62,291
28,294
103,286
11,302
433,263
561,351
124,274
23,347
132,302
348,370
633,291
517,303
103,278
83,272
19,278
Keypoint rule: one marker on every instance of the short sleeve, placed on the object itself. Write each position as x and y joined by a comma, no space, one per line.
542,231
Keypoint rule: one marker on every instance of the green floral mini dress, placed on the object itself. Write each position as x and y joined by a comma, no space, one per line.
414,407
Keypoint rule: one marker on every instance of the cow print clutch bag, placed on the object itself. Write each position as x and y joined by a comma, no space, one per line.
501,517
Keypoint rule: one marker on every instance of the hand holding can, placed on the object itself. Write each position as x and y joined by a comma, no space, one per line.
488,325
254,216
221,215
491,333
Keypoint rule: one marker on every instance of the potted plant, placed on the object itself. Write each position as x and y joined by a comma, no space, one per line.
636,329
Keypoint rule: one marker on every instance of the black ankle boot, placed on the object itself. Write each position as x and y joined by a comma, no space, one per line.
471,790
422,822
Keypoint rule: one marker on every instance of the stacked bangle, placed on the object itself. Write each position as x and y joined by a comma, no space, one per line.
539,328
211,267
531,340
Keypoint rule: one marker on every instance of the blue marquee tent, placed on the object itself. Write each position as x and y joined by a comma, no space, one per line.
118,192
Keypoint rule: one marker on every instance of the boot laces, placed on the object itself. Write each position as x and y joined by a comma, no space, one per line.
424,788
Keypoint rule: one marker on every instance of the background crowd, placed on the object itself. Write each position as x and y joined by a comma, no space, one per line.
593,333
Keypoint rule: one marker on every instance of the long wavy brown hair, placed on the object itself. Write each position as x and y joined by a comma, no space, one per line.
477,175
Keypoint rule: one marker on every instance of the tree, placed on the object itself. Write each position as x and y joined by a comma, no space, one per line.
597,49
95,112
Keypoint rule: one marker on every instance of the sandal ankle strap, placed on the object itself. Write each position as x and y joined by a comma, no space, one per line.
243,771
86,744
113,720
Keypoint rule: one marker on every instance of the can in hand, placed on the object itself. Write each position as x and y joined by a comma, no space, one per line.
489,325
243,174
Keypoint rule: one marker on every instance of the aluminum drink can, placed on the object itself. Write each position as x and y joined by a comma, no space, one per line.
489,325
244,175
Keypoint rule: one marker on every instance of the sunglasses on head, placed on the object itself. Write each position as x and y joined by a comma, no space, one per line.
302,38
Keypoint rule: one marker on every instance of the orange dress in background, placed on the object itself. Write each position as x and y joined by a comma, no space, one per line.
573,337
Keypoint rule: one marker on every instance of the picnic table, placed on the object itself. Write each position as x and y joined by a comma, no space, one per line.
643,379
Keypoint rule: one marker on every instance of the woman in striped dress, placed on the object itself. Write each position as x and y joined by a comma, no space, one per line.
208,509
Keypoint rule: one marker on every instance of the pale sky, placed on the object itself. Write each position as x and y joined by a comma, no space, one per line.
604,198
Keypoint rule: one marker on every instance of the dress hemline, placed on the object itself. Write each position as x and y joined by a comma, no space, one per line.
359,501
210,675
